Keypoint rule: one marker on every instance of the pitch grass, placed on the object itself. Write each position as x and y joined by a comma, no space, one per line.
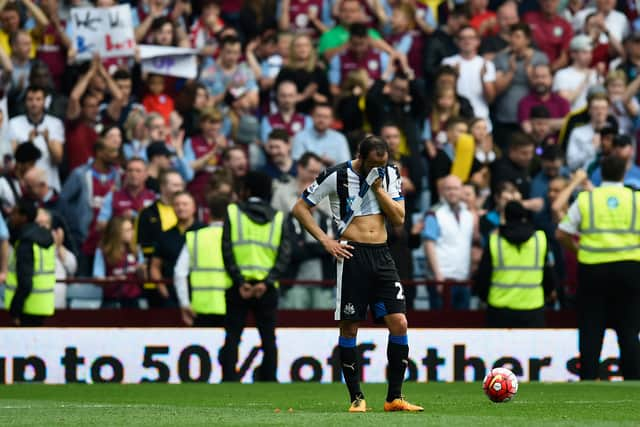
577,404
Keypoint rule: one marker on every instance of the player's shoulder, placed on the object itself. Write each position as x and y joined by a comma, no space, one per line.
332,171
394,168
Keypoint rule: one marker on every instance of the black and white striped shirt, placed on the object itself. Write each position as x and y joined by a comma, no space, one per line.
342,184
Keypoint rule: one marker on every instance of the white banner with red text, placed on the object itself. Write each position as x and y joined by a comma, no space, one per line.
134,355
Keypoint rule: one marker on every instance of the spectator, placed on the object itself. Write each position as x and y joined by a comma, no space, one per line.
190,102
327,143
29,289
351,103
477,76
485,152
227,73
359,54
55,102
624,106
304,17
404,38
159,160
285,116
307,73
506,16
170,243
203,33
551,32
622,148
552,166
129,102
21,65
442,44
540,83
129,200
280,166
10,18
45,131
203,153
349,12
515,167
540,122
401,101
117,258
256,17
145,16
234,159
82,195
615,23
157,100
512,83
503,192
631,63
135,132
482,19
165,32
26,156
605,45
584,141
66,262
309,260
81,134
446,105
52,43
573,82
448,234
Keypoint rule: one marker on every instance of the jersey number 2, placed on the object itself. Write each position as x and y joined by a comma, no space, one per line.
400,291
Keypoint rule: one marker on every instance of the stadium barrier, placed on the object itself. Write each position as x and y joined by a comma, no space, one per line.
113,355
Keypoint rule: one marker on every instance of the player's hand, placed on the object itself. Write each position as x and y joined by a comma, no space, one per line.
337,249
259,289
246,291
187,315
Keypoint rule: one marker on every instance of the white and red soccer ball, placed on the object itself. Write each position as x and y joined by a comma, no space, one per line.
500,385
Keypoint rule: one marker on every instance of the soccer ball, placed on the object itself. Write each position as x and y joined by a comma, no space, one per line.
500,385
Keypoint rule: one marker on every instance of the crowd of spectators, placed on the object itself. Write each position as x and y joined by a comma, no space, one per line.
481,102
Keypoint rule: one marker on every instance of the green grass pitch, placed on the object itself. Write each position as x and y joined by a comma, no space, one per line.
576,404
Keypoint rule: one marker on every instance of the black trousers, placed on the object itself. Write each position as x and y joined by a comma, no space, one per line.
609,296
208,321
31,321
264,311
506,318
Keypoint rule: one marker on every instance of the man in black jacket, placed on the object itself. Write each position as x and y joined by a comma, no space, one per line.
256,251
29,293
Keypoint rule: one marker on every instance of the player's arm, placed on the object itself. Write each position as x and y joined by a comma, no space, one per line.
302,212
391,204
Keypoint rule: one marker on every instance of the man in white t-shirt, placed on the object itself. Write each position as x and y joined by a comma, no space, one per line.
584,141
616,22
45,131
573,82
477,76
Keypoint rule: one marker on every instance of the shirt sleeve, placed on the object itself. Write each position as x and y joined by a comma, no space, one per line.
395,183
334,70
571,222
106,210
99,267
324,185
56,131
4,231
265,129
180,274
490,74
431,229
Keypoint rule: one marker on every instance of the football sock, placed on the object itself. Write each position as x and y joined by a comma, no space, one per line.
398,357
350,368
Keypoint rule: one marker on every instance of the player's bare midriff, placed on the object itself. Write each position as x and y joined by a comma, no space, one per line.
366,229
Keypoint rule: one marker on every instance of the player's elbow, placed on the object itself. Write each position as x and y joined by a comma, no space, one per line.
397,219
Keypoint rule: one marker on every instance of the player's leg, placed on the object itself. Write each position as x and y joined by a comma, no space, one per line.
265,314
233,325
352,287
397,353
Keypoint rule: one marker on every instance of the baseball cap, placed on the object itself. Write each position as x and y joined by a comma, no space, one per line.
580,42
157,148
622,140
27,152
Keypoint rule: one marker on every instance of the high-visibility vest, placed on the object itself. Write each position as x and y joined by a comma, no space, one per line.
41,300
516,281
207,275
255,246
610,226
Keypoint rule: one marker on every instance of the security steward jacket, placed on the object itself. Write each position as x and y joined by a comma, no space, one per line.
31,279
254,213
514,236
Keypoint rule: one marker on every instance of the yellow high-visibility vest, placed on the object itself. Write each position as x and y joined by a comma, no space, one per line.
255,246
610,226
41,300
516,280
207,275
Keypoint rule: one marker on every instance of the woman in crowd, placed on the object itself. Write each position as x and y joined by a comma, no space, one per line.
118,258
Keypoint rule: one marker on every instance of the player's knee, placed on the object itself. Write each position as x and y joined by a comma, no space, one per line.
348,329
398,324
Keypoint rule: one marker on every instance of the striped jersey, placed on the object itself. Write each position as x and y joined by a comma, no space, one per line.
342,184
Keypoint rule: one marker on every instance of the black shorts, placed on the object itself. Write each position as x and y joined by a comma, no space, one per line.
368,279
